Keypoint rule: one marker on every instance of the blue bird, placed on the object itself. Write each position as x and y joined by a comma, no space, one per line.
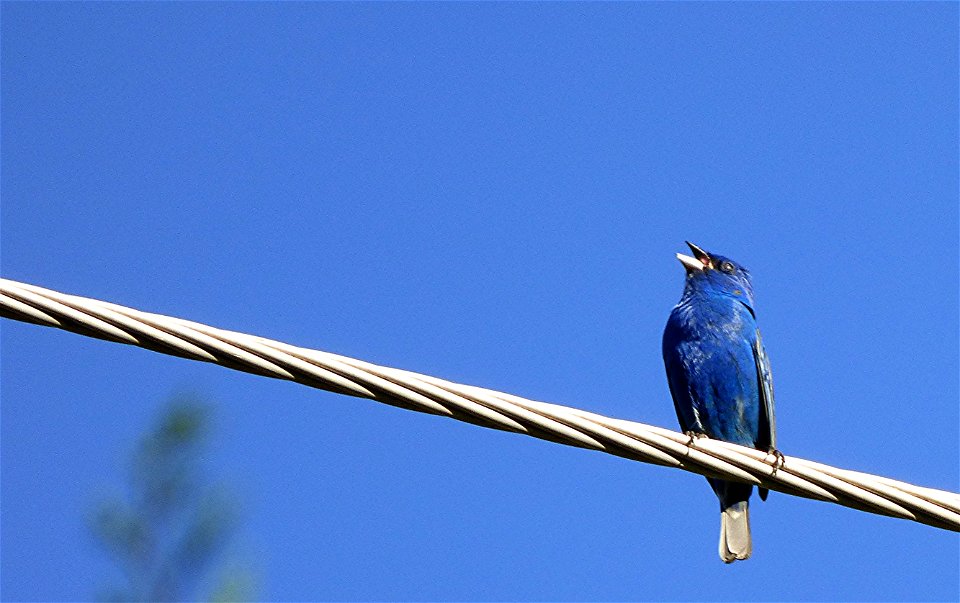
720,378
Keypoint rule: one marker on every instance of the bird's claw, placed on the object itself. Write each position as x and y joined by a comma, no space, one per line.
694,436
778,459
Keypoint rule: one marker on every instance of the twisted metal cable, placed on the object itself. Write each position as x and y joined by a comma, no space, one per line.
477,405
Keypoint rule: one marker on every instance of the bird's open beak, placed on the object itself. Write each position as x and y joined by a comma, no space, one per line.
700,260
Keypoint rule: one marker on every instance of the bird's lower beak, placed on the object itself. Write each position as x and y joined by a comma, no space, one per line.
689,263
700,261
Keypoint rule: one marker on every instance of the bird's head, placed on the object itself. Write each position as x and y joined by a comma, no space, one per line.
713,273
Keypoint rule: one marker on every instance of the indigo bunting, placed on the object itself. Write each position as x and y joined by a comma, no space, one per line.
720,379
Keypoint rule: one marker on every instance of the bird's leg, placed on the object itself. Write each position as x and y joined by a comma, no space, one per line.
778,459
693,435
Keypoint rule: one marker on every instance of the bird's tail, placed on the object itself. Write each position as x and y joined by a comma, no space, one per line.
735,532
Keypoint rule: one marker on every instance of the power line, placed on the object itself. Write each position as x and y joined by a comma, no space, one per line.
477,405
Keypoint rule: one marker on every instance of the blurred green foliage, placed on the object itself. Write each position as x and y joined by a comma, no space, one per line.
168,532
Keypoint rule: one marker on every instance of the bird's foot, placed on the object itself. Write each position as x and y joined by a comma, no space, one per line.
694,436
778,459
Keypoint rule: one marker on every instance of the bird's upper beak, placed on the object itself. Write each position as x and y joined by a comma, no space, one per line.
700,261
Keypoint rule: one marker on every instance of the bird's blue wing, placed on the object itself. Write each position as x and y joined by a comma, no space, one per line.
767,434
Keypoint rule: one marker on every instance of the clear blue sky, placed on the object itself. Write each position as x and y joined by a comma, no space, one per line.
493,194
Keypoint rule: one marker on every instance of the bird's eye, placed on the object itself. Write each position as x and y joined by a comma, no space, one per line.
726,267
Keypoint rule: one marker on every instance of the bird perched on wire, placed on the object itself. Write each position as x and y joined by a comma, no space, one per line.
720,379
